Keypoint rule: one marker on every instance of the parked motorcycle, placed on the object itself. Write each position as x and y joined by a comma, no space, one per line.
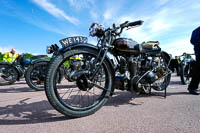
35,74
12,72
137,68
186,63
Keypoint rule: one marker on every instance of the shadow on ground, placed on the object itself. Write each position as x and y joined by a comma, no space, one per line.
16,90
28,113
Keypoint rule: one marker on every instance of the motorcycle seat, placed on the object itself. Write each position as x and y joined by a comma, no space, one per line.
150,44
151,47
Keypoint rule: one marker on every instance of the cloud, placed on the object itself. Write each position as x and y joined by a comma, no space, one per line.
94,15
159,25
53,10
162,2
108,14
178,47
79,4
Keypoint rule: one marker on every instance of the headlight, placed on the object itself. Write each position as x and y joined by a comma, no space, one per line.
52,48
96,30
49,50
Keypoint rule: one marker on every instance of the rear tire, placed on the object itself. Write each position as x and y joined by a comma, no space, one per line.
62,105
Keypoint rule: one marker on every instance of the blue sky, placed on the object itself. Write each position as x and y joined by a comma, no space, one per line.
31,25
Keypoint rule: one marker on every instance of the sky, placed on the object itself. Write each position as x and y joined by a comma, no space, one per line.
31,25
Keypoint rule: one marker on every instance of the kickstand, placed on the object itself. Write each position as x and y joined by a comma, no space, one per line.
150,91
165,96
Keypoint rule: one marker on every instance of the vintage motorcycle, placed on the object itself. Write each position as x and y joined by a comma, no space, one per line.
136,68
12,72
35,74
186,63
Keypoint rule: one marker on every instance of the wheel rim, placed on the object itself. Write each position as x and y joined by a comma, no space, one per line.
70,93
187,73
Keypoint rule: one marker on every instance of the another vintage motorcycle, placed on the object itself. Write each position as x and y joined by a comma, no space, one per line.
12,72
136,68
35,74
186,64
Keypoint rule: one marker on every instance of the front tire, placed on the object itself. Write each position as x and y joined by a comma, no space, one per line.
61,97
185,74
35,75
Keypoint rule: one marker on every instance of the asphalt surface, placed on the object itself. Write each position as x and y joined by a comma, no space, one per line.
23,110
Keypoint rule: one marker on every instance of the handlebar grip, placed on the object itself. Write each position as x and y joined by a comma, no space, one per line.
139,22
124,24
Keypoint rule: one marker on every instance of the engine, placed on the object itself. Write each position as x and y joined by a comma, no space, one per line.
135,72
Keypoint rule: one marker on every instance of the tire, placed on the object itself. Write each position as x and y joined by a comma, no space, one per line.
62,105
185,74
8,74
38,75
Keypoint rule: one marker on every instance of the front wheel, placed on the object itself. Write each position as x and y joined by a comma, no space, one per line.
82,95
185,74
8,74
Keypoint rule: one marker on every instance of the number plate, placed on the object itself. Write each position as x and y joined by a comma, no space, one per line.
73,40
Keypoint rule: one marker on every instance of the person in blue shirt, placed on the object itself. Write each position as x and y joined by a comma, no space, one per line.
194,84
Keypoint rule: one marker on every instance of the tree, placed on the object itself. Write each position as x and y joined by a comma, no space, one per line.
1,57
28,55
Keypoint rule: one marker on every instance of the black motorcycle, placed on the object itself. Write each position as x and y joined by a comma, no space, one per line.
12,72
186,63
136,68
35,74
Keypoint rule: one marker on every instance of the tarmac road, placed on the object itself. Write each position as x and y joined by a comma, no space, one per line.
23,110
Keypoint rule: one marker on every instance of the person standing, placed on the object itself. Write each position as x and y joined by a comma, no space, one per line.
10,56
194,84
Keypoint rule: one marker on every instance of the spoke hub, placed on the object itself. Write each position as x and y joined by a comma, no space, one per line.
82,83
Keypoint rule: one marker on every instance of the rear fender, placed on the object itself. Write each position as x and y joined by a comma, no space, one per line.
39,60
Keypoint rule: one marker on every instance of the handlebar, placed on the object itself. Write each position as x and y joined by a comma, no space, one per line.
126,24
136,23
185,54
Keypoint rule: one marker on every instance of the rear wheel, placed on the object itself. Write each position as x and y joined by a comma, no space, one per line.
81,95
8,74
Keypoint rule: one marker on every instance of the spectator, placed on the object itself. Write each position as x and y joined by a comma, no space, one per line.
194,84
10,56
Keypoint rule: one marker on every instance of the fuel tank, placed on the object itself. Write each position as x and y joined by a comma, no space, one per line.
126,46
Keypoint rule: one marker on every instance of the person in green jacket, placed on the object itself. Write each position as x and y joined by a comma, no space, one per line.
10,56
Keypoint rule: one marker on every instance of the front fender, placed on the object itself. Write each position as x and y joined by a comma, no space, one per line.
71,47
40,60
166,57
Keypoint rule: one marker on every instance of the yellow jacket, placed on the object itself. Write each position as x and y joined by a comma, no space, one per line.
9,57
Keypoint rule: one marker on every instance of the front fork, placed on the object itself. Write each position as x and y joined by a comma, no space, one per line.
99,65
